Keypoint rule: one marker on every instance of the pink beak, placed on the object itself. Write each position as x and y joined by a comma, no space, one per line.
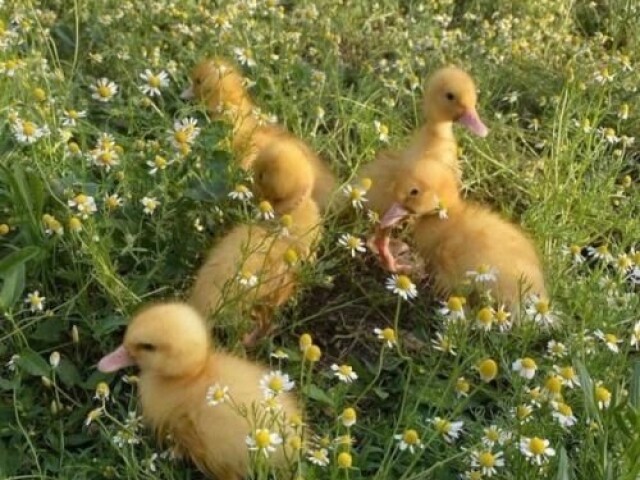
116,360
393,216
187,93
472,121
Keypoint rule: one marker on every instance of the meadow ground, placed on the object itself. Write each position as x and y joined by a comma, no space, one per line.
101,210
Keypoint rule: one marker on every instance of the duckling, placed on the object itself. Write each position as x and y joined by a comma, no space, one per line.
256,269
219,84
456,237
450,96
170,345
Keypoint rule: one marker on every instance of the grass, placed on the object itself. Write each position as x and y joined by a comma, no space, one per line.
553,76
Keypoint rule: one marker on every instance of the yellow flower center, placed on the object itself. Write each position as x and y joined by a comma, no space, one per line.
39,94
553,384
462,385
353,242
565,409
537,446
475,475
305,341
218,394
4,229
81,199
295,442
241,189
611,338
523,411
286,221
603,249
501,316
485,316
345,370
154,81
602,394
75,224
486,460
28,129
575,249
263,438
403,282
609,132
411,437
102,390
383,129
492,435
160,162
313,353
104,91
542,307
112,202
528,363
366,183
483,269
488,369
72,114
276,384
356,194
345,460
265,207
349,414
455,304
389,334
624,262
74,148
291,256
106,158
181,137
567,373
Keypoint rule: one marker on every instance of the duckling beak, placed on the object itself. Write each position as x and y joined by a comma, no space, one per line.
393,216
471,120
187,93
116,360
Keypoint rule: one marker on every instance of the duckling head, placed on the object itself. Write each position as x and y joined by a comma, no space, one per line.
167,340
421,188
450,96
283,175
217,81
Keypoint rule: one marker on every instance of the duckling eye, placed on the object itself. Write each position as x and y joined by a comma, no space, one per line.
414,192
147,347
450,96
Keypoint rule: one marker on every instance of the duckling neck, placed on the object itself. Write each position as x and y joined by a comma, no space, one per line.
244,125
438,131
305,216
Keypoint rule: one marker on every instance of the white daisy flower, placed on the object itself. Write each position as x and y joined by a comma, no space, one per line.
274,383
409,440
70,117
539,311
403,286
247,278
453,309
184,132
153,82
502,319
158,163
280,354
575,253
150,204
602,396
104,90
609,339
28,132
569,376
382,130
563,414
487,461
263,441
444,344
241,192
600,253
217,394
319,456
494,435
556,349
484,274
244,56
450,431
387,335
265,211
356,194
35,301
526,367
351,243
537,450
344,373
85,205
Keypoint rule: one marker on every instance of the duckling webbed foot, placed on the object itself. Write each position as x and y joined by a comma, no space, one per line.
394,255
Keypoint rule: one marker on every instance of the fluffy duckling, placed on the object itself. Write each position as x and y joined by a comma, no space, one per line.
456,237
219,84
170,345
450,96
252,267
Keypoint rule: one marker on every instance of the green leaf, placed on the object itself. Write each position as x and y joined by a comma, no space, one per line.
634,394
18,257
12,287
68,373
587,388
33,363
563,465
316,393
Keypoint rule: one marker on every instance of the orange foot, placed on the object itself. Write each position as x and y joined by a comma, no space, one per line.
394,255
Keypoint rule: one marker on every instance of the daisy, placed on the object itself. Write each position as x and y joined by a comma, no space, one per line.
70,117
575,253
535,396
563,414
85,205
536,450
356,194
485,318
488,370
241,192
568,375
28,132
54,359
603,396
382,130
609,339
244,56
495,436
52,225
483,274
153,82
345,460
553,387
263,441
319,457
623,263
526,367
402,286
274,383
462,387
265,211
454,308
150,204
158,163
502,318
344,373
105,158
556,349
280,354
184,132
539,311
444,344
104,90
35,301
450,431
351,243
387,335
441,209
348,417
487,461
409,440
113,201
216,395
600,253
